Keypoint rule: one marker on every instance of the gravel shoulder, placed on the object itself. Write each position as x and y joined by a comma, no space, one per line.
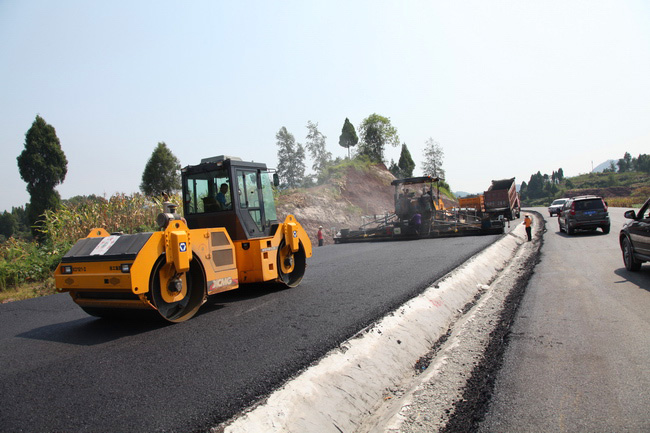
425,367
452,394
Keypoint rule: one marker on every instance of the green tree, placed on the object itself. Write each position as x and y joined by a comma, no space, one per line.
316,146
162,173
625,163
536,186
79,200
523,189
642,163
405,164
394,169
8,224
433,156
348,137
611,168
24,230
43,165
291,159
376,132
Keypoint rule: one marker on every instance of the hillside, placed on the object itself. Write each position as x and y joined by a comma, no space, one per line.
343,201
619,189
340,202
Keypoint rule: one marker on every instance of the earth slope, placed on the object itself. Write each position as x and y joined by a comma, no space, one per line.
341,202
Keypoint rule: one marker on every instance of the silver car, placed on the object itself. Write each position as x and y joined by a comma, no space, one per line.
556,206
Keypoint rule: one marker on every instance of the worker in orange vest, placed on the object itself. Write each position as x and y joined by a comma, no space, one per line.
528,222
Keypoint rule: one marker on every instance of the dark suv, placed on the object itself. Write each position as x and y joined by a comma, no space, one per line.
585,212
635,238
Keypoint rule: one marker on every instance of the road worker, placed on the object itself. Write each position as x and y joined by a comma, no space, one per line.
528,222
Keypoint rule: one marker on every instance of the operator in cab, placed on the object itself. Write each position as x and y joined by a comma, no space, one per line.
222,197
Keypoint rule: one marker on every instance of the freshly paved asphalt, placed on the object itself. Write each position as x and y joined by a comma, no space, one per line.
62,370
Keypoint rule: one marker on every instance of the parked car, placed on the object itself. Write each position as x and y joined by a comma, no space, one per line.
635,238
555,207
585,212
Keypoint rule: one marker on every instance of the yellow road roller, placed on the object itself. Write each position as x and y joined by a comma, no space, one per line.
228,235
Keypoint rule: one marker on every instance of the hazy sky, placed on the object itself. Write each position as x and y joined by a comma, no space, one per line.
506,87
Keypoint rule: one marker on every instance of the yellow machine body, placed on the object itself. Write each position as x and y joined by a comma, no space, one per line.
476,202
223,240
259,260
100,285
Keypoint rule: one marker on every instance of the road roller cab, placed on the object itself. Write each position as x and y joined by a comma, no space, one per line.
229,235
230,193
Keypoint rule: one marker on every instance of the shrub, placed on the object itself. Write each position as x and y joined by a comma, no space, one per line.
24,262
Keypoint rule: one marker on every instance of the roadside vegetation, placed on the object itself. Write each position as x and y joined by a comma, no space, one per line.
26,265
35,237
625,184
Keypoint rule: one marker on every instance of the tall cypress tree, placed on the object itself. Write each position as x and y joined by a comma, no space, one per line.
406,164
348,137
43,165
161,174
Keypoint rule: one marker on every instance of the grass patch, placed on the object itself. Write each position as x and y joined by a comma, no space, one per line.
28,290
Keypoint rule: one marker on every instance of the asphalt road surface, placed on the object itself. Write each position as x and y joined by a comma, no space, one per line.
579,352
62,370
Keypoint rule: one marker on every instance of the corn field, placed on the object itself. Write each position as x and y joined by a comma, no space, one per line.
25,262
120,213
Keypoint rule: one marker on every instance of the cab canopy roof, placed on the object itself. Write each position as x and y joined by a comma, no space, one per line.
216,162
220,158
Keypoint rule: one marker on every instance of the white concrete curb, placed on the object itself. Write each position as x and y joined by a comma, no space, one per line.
350,382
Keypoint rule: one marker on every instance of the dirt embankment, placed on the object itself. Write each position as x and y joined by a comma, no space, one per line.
613,191
346,201
341,202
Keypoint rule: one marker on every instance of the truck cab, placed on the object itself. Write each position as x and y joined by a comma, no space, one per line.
227,192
